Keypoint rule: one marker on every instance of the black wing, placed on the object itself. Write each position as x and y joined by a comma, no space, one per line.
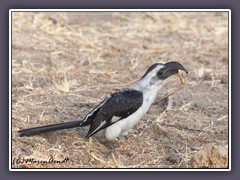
120,105
87,120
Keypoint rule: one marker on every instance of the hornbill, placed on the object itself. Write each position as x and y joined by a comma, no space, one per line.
118,113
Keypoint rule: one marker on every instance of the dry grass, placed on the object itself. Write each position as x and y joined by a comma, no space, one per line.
65,63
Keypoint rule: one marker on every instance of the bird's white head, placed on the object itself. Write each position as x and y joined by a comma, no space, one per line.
158,73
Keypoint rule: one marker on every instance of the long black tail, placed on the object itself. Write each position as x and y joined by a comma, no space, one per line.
47,128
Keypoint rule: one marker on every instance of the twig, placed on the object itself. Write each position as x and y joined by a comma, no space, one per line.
98,159
114,159
179,87
181,127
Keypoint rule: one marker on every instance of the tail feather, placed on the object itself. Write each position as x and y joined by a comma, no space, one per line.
48,128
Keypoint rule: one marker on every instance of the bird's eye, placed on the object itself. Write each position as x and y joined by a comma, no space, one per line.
160,73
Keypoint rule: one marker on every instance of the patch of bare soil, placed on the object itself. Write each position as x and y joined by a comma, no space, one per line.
63,64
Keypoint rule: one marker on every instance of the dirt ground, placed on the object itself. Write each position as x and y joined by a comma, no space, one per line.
63,64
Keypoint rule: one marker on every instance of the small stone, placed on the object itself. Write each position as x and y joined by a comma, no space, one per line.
207,76
224,79
173,159
210,156
199,104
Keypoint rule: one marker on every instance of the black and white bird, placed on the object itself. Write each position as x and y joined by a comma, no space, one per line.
119,113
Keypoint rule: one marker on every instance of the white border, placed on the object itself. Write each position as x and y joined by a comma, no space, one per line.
116,10
229,89
121,10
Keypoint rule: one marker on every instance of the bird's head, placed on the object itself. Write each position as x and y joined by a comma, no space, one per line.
158,73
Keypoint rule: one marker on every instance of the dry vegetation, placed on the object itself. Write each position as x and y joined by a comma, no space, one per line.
63,64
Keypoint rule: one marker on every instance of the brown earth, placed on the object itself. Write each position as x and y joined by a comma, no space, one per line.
63,64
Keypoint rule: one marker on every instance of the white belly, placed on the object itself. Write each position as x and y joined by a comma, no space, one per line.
123,126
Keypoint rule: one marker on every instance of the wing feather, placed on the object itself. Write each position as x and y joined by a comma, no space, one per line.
121,104
87,120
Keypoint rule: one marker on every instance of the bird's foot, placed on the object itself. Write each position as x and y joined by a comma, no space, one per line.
126,136
109,144
112,145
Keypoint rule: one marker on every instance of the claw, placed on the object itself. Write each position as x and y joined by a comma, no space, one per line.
112,145
126,136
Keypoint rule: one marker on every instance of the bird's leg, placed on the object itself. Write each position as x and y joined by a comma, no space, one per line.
112,145
109,144
102,139
126,135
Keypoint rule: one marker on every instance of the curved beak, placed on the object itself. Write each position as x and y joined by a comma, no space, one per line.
172,68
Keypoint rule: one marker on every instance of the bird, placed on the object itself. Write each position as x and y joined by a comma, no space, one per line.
121,111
